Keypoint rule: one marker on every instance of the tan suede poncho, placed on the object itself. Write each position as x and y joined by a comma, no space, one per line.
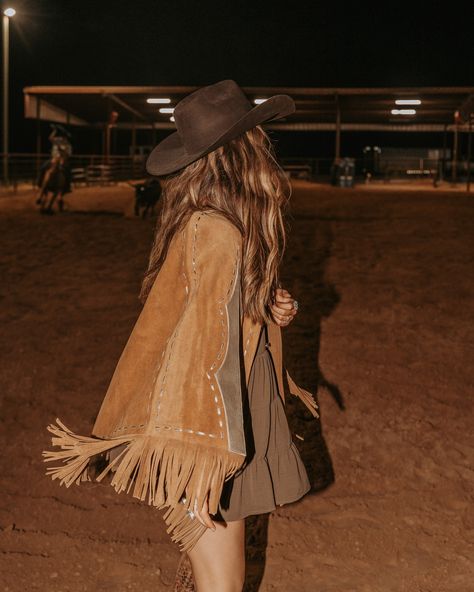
174,403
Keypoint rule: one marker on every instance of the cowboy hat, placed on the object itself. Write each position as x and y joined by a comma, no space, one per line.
208,118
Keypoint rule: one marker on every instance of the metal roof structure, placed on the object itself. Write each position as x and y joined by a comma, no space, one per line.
317,109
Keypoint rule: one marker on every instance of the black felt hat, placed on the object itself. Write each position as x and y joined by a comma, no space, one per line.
208,118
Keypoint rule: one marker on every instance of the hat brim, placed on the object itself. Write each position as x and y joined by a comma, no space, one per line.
170,155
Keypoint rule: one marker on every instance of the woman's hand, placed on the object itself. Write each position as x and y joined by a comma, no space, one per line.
283,308
202,514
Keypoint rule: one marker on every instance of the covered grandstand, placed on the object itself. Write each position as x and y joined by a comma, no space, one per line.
131,109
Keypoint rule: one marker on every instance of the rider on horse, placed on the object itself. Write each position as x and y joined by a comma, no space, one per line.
55,174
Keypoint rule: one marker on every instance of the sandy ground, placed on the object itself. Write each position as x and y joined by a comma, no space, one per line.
385,282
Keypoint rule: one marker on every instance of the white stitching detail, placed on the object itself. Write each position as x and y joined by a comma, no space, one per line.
166,427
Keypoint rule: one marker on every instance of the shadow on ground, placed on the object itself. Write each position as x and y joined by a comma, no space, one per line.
318,299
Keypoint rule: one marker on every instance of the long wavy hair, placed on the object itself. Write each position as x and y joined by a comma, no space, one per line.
243,181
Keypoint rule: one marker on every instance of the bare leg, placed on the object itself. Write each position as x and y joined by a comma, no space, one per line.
218,558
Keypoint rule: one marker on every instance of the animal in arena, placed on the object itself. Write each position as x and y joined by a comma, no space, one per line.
55,178
146,196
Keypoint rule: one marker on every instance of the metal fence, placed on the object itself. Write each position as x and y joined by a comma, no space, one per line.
93,169
383,169
87,169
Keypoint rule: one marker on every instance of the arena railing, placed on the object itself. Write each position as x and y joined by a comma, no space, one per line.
87,169
95,169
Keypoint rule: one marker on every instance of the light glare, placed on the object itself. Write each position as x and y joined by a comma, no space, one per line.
259,101
166,109
9,12
158,100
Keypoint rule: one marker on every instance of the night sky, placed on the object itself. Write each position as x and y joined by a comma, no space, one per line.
255,43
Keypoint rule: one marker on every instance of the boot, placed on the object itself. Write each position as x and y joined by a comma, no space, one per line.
184,581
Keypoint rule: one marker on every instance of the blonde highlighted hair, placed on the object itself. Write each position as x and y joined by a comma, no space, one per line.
243,181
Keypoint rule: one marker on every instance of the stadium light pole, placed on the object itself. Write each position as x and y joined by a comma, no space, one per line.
8,13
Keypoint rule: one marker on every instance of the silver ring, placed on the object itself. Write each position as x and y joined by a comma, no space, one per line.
295,304
191,514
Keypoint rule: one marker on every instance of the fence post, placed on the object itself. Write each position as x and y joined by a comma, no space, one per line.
38,135
469,151
338,129
454,162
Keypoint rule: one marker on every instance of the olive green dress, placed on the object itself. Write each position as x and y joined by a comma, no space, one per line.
273,473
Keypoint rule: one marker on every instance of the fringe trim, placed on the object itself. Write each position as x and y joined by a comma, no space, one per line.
166,473
306,397
184,529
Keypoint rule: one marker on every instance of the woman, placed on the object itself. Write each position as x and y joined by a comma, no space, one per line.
193,418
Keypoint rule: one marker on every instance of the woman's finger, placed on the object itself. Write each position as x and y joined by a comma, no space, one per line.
280,296
280,317
284,313
283,305
286,306
282,320
203,515
283,296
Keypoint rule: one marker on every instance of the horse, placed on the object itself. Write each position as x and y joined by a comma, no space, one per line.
146,196
54,178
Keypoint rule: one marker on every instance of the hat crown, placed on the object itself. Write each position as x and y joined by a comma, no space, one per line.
204,115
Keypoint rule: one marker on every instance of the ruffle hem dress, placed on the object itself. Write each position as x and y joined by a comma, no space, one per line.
273,473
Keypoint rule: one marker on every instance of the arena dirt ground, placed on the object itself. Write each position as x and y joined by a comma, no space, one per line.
385,333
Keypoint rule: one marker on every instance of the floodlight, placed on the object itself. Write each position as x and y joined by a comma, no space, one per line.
403,111
408,102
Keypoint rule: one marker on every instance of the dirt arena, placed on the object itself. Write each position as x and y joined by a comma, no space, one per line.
385,333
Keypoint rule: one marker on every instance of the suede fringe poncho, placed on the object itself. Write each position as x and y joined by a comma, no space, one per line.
174,402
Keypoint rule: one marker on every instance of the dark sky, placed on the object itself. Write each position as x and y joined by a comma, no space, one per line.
255,43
